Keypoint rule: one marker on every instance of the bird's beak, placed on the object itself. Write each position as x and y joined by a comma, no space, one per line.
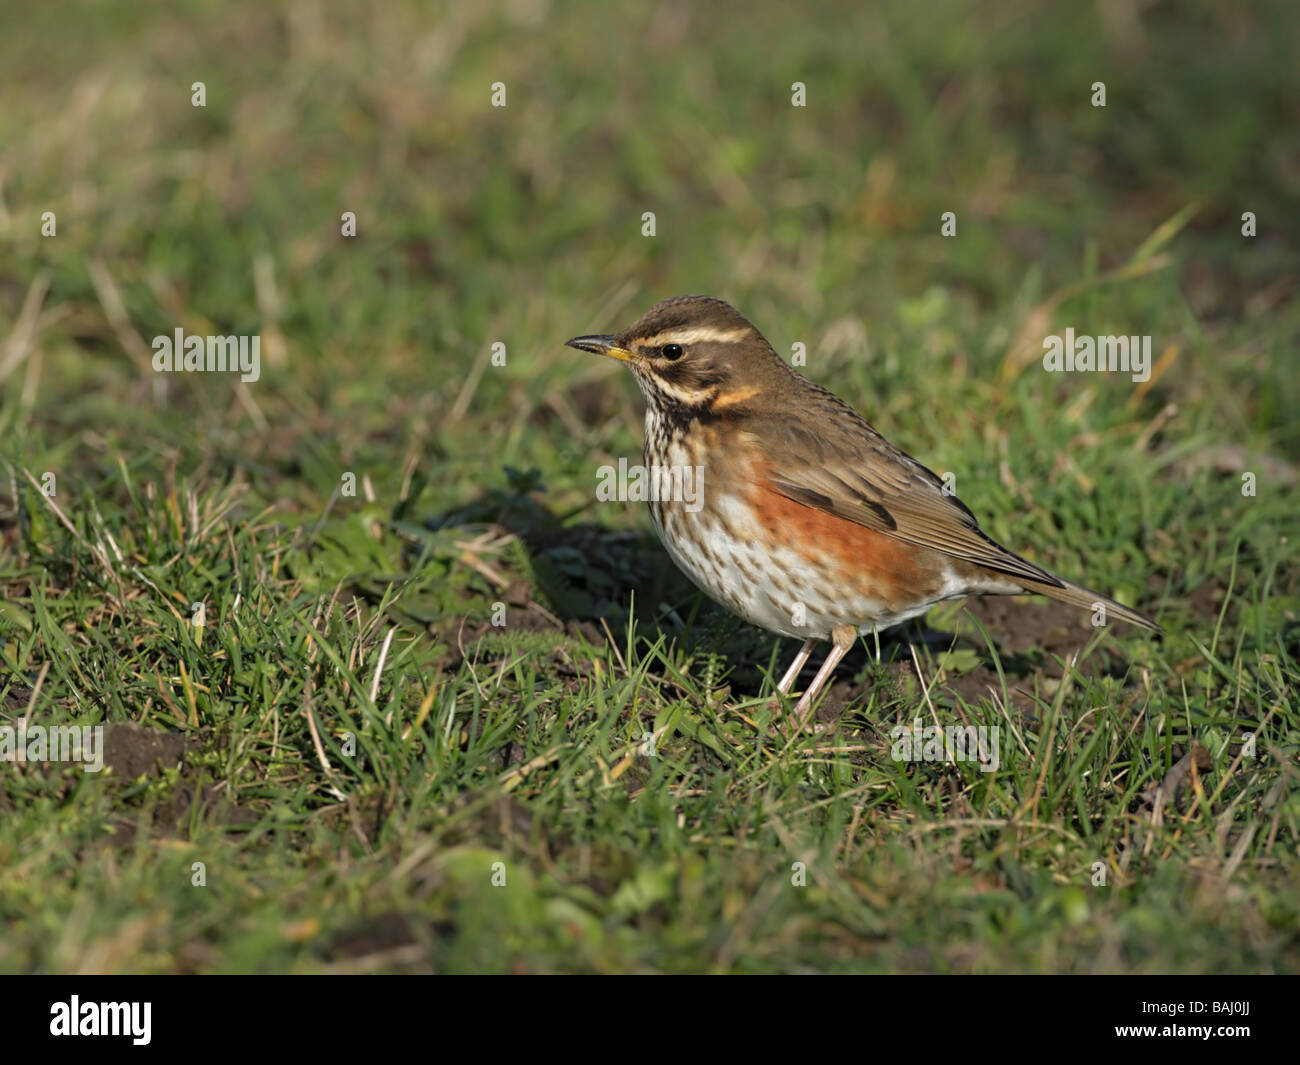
602,344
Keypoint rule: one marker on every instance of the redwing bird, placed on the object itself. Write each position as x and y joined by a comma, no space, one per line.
810,523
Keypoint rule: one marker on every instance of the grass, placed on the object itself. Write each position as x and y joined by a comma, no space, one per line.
362,769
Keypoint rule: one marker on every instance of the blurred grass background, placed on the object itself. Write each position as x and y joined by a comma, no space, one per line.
523,225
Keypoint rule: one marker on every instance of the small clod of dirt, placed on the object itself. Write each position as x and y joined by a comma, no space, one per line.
518,593
370,935
131,751
1206,599
1032,638
1019,625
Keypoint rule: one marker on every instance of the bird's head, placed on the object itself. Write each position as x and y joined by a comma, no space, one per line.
694,352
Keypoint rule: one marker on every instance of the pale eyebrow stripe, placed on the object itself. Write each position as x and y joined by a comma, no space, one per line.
700,334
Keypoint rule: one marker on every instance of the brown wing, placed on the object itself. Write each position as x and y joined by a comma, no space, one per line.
830,459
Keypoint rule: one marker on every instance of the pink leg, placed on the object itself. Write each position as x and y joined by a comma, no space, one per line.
792,674
842,640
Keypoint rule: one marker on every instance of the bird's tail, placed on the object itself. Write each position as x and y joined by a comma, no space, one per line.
1077,595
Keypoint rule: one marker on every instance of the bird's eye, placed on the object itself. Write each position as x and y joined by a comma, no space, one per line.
671,351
